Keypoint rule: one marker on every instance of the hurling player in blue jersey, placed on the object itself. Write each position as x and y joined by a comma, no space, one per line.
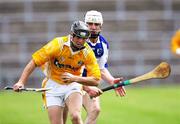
100,47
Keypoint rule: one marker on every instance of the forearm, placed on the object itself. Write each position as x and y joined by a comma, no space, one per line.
27,72
86,88
106,76
88,81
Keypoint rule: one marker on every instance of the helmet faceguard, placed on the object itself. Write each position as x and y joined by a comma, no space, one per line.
94,17
80,30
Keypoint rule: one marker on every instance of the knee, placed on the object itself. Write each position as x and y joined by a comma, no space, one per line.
75,116
96,110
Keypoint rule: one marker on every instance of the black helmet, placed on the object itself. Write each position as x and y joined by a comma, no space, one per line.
80,29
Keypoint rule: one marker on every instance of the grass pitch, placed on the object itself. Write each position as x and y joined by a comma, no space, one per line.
153,105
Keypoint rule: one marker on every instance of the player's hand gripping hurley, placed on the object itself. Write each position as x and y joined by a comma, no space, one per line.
161,71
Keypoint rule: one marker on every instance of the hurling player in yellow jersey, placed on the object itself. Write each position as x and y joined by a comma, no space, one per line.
175,43
62,61
100,46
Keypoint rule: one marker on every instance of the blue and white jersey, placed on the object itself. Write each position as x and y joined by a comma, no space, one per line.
100,48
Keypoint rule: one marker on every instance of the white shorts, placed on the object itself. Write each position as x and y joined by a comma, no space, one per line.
60,92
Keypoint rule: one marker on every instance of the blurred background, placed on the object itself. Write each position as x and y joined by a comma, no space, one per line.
139,32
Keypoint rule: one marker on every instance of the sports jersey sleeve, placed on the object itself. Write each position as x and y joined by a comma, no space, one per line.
103,59
92,66
175,42
46,52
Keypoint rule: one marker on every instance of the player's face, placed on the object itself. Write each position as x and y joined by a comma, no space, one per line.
94,27
78,41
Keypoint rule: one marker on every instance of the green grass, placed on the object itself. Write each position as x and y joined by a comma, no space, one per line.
160,105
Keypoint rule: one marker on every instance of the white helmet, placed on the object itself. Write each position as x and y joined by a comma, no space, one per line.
94,16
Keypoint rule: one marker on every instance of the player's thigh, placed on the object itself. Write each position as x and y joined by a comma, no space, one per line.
86,101
55,113
90,103
74,102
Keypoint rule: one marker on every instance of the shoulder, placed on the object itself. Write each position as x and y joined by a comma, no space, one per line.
87,47
62,39
58,42
103,40
87,50
178,32
176,36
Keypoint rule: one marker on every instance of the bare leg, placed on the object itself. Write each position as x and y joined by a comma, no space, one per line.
65,115
92,108
55,114
74,104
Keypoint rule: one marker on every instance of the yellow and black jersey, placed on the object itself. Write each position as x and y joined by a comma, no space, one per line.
57,57
175,42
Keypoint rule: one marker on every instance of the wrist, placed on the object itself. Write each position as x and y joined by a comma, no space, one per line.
86,88
75,78
111,81
20,83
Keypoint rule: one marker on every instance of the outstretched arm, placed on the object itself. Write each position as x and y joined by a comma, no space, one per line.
105,74
25,75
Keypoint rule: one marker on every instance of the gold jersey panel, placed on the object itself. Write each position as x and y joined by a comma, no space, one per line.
175,42
56,57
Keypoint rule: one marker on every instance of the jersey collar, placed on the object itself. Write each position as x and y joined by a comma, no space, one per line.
68,42
93,44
